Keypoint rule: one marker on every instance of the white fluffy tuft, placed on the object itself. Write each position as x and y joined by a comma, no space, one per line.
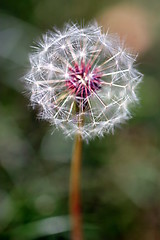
106,107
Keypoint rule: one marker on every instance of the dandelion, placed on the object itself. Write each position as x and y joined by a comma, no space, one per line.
83,80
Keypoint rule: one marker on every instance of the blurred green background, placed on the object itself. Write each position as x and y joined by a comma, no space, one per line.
120,173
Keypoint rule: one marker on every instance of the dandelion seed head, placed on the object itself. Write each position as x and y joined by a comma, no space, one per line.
82,80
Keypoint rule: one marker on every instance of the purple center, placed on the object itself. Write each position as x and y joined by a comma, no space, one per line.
82,81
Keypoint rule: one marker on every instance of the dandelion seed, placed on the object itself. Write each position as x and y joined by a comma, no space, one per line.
83,73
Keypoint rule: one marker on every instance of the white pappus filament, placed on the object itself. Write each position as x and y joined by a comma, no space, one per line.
82,75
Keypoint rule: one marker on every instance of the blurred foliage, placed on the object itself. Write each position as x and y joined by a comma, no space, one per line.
120,174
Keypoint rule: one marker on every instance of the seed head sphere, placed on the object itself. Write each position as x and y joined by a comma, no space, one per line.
82,80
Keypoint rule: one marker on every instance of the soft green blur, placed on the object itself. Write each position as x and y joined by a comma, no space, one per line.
120,172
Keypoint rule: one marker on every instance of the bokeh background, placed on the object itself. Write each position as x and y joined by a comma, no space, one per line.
120,173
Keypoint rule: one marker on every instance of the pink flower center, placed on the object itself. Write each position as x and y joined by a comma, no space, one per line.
82,81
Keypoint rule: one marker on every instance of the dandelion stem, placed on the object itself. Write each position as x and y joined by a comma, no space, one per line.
75,205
